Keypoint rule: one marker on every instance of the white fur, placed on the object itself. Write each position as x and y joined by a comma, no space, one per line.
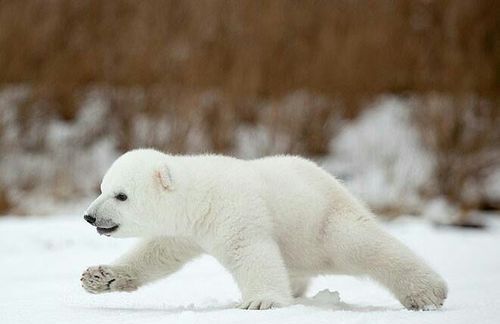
274,223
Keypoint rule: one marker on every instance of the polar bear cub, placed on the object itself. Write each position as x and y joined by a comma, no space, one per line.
274,223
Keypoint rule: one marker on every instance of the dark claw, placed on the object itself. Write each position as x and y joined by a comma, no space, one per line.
110,282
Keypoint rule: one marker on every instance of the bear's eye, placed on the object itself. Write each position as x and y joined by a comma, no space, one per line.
121,197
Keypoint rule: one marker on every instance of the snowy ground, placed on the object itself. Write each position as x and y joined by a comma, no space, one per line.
41,260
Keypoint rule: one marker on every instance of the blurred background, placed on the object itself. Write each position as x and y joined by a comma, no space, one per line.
399,99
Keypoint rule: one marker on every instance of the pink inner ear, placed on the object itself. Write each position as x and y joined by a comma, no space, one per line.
162,178
159,179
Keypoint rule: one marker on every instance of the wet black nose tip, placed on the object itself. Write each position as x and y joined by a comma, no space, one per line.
89,219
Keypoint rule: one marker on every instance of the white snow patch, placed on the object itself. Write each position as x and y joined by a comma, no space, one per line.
440,211
380,157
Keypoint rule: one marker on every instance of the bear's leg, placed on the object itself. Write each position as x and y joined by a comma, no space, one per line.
259,271
150,260
362,247
298,285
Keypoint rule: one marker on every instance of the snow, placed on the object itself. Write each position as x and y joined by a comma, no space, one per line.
42,259
381,158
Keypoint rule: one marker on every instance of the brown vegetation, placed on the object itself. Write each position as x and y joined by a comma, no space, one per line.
251,48
4,202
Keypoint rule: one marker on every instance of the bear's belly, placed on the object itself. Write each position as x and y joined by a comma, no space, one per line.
302,255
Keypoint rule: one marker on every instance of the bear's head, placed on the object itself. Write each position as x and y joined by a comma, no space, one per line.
137,193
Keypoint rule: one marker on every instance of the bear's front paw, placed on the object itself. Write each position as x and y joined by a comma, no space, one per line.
428,299
103,279
263,303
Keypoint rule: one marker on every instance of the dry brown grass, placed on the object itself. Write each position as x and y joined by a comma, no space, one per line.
4,202
251,48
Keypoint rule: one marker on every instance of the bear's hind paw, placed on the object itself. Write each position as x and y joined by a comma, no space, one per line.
430,299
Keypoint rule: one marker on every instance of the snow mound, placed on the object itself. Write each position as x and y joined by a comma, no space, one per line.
381,159
324,298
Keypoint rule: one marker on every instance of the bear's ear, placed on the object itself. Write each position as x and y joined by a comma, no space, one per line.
163,176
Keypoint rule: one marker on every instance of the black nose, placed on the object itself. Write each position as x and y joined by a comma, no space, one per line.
89,219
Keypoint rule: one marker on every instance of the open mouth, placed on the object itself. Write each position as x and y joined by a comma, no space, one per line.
106,231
